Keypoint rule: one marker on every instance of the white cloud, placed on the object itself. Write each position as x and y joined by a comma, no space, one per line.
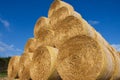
5,23
8,50
2,49
116,46
93,22
18,50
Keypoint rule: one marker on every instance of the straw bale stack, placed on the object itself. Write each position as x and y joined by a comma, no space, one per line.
13,67
25,64
30,45
82,58
43,63
83,52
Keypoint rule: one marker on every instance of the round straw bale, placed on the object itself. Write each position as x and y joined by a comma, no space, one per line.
13,67
116,74
83,58
30,45
43,63
41,22
59,15
45,36
58,4
25,64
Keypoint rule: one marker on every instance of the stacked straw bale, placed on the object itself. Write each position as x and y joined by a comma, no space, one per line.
55,15
82,58
41,22
13,67
45,36
25,64
43,63
43,33
30,45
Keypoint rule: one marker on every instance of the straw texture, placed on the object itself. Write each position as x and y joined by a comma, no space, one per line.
59,15
45,37
57,4
30,45
13,67
119,54
71,26
116,74
74,25
55,76
82,58
43,33
43,64
25,64
41,22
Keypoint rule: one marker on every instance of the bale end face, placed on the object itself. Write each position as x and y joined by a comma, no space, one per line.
82,58
43,63
30,45
25,64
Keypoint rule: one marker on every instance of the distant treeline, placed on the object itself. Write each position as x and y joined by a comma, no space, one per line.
4,64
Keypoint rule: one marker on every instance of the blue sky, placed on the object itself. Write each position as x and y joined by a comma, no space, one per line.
18,17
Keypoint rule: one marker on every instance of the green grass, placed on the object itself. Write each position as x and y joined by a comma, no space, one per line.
3,74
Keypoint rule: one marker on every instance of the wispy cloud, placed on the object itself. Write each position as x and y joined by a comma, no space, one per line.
93,22
8,50
5,23
2,49
116,46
